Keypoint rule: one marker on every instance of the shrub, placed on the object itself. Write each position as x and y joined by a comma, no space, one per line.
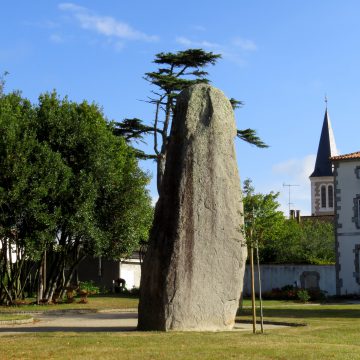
317,295
89,287
303,295
135,291
287,292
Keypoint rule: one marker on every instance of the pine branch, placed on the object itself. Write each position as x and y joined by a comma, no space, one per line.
133,129
236,104
141,155
250,136
190,58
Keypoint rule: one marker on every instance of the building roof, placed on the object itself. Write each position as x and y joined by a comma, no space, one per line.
351,156
326,150
323,218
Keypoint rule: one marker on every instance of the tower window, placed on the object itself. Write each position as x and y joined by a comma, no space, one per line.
323,196
356,218
330,196
357,263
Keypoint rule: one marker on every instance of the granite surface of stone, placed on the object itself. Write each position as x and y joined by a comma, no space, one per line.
193,271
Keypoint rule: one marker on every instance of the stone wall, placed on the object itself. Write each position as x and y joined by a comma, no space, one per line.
277,276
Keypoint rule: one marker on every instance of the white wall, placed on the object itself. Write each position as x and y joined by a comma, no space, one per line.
277,276
130,271
348,235
273,276
349,186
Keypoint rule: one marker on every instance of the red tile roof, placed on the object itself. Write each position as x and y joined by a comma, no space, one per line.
351,156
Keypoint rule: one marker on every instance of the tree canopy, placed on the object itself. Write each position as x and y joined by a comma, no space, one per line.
68,187
263,220
175,72
282,240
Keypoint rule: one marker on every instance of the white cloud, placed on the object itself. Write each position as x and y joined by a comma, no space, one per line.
295,172
104,25
245,44
242,44
71,6
187,42
297,169
233,51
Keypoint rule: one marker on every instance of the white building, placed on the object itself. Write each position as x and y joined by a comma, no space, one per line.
347,222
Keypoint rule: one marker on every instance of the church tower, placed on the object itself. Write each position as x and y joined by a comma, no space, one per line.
322,178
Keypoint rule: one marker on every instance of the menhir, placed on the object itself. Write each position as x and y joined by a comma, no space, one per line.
192,274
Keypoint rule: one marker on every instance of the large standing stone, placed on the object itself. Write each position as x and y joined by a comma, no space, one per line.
192,274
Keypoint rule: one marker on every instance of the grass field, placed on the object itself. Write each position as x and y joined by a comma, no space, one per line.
95,302
331,332
7,317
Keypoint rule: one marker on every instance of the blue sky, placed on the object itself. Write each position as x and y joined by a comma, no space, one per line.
280,57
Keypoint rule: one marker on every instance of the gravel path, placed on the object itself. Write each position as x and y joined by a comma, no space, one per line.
85,321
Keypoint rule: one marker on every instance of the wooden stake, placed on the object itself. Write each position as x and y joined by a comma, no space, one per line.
260,296
253,288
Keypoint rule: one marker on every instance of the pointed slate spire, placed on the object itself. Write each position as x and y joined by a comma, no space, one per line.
326,149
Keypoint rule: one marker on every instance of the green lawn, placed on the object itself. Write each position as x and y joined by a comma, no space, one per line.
96,302
331,332
7,317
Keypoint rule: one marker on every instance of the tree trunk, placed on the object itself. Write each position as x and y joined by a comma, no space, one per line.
40,293
52,289
160,171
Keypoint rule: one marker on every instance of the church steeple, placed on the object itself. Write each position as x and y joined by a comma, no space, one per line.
326,149
322,178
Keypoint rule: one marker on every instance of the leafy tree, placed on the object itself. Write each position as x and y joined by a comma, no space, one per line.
309,242
31,175
68,188
2,82
281,240
263,221
176,72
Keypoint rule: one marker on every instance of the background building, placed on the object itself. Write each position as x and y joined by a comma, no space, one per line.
347,223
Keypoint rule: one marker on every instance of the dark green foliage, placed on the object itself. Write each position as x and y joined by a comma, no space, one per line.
290,292
68,188
133,129
2,82
176,72
191,58
303,296
236,104
309,242
183,69
283,241
89,287
249,135
263,220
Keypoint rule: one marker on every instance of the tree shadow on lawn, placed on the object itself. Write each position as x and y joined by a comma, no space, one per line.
36,329
308,313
